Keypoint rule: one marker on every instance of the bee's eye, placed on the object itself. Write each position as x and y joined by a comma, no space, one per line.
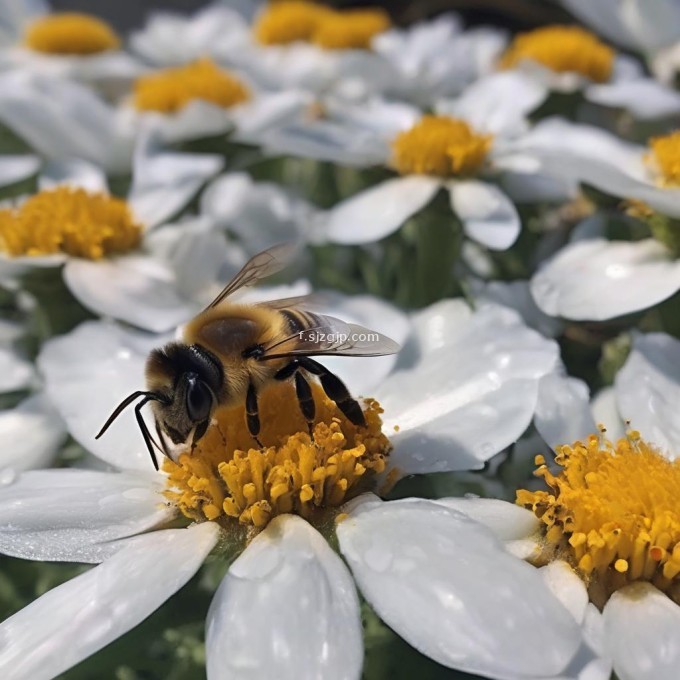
199,401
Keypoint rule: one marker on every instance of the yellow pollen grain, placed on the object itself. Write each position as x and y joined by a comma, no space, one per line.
70,221
664,156
229,477
170,90
562,49
612,511
351,29
291,21
440,146
70,33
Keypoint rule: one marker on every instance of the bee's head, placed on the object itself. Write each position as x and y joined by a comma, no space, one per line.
184,385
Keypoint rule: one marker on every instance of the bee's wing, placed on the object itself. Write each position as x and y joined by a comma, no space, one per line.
258,267
297,302
331,336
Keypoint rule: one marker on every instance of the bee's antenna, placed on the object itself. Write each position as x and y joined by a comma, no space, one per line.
148,439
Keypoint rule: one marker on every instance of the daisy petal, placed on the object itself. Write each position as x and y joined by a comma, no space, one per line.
296,593
641,625
648,390
567,587
72,172
164,182
74,515
15,168
644,98
137,289
77,365
598,279
563,410
16,372
606,412
30,435
426,571
78,618
487,214
508,521
470,396
377,212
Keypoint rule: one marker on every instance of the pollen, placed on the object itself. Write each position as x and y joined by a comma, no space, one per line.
170,90
562,49
70,33
70,221
291,21
612,511
440,146
352,29
229,478
664,156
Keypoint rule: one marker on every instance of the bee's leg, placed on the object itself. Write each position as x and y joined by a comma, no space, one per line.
336,390
253,414
306,401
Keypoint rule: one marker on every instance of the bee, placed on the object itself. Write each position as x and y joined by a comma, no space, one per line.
230,351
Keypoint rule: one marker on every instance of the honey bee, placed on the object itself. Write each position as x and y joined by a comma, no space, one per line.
229,351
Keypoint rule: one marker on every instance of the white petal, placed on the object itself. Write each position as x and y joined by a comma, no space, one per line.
377,212
30,435
74,515
644,98
606,412
563,410
598,279
488,215
287,608
648,389
164,182
15,168
641,633
428,570
267,111
567,587
468,398
508,521
134,288
16,372
497,103
75,367
73,172
78,618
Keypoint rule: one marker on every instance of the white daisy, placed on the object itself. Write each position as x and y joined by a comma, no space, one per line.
465,139
63,44
15,168
114,261
487,365
436,59
570,58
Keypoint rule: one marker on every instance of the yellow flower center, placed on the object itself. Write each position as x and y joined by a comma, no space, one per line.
563,49
665,157
71,221
229,478
170,90
70,33
441,146
296,20
613,512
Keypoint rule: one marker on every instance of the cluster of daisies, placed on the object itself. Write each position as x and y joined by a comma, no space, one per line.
505,206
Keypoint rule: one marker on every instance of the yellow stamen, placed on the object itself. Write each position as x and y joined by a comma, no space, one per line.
665,158
441,146
70,33
563,49
613,513
228,476
170,90
296,20
351,29
289,21
71,221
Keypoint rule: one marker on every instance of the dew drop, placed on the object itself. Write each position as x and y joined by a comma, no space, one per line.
7,476
378,558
